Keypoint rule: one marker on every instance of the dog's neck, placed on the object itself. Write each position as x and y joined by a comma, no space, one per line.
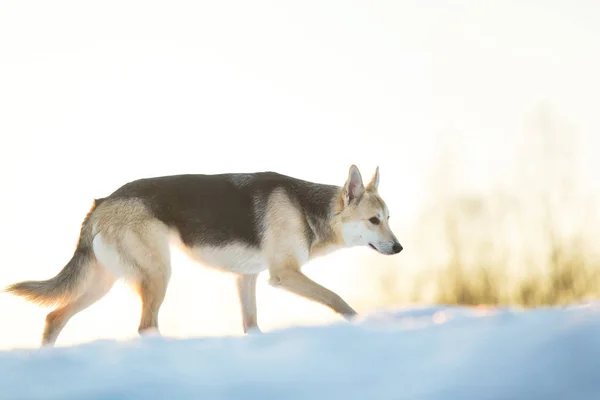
331,239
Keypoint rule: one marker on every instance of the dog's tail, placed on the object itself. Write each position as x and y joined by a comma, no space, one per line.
70,280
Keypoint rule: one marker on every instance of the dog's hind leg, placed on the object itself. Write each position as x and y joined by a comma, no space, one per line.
99,284
139,252
152,290
246,285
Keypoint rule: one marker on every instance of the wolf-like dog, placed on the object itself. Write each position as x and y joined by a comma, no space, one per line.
243,223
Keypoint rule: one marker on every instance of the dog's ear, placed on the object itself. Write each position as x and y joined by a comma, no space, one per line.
374,184
354,188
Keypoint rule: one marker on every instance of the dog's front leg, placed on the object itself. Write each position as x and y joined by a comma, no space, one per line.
246,285
296,282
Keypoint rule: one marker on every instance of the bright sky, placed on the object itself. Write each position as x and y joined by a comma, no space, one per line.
93,95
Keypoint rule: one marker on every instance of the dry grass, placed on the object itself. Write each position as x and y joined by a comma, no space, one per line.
474,273
569,278
529,244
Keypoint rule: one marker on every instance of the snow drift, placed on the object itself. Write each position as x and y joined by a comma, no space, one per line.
414,353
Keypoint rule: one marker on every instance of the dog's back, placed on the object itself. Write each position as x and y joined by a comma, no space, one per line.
217,209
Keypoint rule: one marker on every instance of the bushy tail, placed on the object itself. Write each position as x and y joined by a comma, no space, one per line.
57,290
67,284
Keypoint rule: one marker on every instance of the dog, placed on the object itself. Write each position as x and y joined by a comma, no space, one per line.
243,223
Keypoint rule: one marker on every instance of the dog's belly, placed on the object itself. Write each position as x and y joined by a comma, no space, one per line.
237,258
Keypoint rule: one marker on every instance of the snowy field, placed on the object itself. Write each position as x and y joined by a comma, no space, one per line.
417,353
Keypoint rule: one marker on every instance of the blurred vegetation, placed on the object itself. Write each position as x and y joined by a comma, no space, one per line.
529,243
565,272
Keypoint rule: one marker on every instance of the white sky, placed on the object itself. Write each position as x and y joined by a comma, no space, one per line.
93,95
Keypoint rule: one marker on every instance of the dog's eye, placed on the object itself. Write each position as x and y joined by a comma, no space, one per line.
374,221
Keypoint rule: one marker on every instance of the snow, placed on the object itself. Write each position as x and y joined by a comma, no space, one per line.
412,353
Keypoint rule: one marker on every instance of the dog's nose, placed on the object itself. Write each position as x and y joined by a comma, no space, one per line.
397,248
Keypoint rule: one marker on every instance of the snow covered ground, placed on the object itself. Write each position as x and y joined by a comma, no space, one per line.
416,353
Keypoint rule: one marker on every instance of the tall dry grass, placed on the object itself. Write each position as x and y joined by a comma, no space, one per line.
564,272
527,244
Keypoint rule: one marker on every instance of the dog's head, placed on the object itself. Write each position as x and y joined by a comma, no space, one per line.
365,216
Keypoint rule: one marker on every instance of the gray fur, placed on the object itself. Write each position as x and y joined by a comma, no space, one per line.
215,209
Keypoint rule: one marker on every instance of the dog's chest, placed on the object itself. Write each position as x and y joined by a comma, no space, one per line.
235,258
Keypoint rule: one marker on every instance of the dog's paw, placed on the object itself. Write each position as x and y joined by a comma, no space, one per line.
350,317
151,332
255,330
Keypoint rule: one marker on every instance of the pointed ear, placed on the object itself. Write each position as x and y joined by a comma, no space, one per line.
354,188
374,184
